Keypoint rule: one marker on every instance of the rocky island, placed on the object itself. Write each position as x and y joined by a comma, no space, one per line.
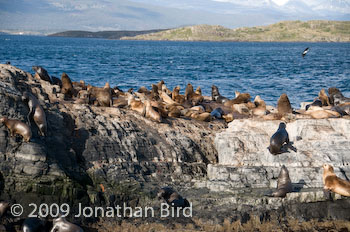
107,155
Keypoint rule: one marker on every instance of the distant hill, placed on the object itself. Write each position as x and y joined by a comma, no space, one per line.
102,34
286,31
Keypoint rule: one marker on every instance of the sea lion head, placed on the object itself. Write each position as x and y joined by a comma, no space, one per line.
3,119
282,125
237,93
107,86
198,90
328,168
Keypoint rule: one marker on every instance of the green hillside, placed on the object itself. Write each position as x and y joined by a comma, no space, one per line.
286,31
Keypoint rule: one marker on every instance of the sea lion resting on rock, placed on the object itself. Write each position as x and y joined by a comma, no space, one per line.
216,96
39,116
284,184
239,99
151,113
17,127
34,224
336,97
217,113
41,73
283,105
103,96
278,139
172,198
333,183
193,97
324,98
62,225
67,86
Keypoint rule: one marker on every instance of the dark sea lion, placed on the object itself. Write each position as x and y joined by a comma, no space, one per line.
67,86
316,102
216,96
3,207
278,139
41,73
172,198
283,105
342,109
17,127
333,183
217,113
56,81
62,225
36,109
284,184
34,224
336,97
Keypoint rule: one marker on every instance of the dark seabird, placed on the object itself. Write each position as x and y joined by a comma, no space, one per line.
305,51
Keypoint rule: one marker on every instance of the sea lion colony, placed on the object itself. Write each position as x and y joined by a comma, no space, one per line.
160,103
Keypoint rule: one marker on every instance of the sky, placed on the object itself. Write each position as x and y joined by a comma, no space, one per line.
48,16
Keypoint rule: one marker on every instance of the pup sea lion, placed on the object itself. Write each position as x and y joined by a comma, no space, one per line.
3,207
172,198
283,104
216,96
217,113
62,225
333,183
67,86
17,127
35,108
284,184
41,73
278,139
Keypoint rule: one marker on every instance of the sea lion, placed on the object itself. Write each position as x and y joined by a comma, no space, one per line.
316,102
155,93
35,108
228,117
175,95
143,90
174,112
41,73
56,81
283,105
318,112
205,117
260,105
17,127
151,113
216,96
239,99
324,98
217,113
67,86
172,198
198,91
160,84
79,85
284,184
191,96
34,224
102,95
3,207
165,97
278,139
333,183
336,97
62,225
136,105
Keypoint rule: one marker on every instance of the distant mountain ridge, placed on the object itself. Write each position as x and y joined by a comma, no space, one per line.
285,31
103,34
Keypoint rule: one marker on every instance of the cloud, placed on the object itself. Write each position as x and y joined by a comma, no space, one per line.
76,5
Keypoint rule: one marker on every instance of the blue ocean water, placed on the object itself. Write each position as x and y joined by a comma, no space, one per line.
265,69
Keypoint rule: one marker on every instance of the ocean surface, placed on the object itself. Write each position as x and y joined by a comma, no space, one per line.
265,69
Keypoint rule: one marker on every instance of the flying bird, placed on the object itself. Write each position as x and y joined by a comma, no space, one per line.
305,51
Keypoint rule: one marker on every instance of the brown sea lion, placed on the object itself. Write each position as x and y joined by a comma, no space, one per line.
136,105
172,198
205,117
3,207
191,96
38,112
333,183
17,127
284,184
79,85
283,105
175,95
151,113
278,139
174,112
198,91
160,84
239,99
228,117
324,98
321,113
83,97
41,73
165,97
102,95
155,93
260,109
62,225
67,86
216,96
143,90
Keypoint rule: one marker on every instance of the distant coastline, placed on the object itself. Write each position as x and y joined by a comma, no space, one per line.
285,31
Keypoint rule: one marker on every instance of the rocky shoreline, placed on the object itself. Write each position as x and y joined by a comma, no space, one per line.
102,156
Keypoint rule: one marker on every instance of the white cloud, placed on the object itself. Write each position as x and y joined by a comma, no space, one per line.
280,2
76,5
